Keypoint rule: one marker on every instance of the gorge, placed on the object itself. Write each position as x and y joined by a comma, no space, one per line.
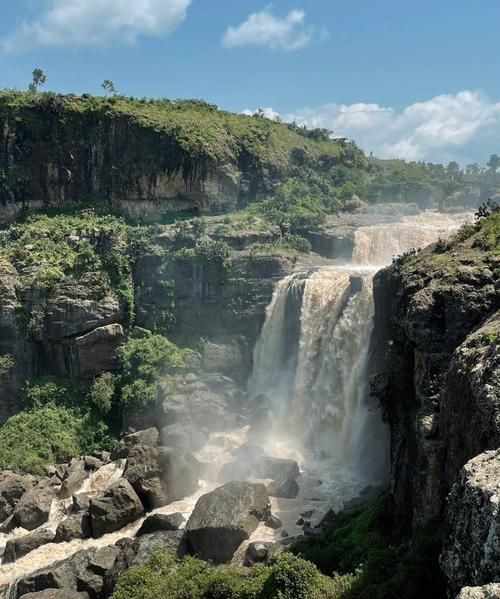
334,376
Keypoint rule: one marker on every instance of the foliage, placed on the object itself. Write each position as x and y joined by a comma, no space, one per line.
102,392
367,542
109,87
295,242
144,361
44,435
39,78
6,365
487,209
287,577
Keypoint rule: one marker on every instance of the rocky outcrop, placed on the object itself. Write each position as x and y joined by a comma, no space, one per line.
161,522
471,551
438,382
489,591
113,509
224,518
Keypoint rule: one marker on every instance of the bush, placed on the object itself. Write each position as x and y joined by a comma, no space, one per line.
296,243
6,365
288,577
144,361
44,435
102,392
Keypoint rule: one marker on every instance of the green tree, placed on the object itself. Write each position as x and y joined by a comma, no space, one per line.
109,87
39,79
494,162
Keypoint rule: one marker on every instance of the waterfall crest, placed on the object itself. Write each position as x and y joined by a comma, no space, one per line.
313,356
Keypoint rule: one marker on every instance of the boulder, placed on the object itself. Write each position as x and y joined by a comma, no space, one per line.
288,489
145,545
160,475
56,594
80,502
77,473
158,522
257,552
76,526
248,452
5,509
489,591
277,468
274,522
183,436
16,548
8,525
148,437
33,508
113,509
224,518
471,548
14,486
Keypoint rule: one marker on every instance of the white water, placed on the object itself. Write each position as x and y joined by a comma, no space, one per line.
311,360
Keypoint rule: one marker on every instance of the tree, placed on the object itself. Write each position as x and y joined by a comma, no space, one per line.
39,78
494,162
109,87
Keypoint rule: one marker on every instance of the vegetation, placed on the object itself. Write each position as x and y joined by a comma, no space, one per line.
45,435
6,365
287,577
145,360
366,541
39,78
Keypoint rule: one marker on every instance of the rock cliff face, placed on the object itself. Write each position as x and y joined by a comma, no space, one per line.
438,328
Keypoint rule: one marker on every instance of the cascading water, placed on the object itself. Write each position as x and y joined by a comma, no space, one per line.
312,358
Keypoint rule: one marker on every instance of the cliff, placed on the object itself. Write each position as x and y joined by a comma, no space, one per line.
438,328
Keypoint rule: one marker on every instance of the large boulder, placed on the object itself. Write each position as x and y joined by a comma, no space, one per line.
73,479
16,548
471,549
114,508
161,522
160,475
76,526
287,489
224,518
33,508
56,594
12,488
183,436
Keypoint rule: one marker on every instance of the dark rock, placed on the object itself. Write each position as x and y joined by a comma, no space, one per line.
76,475
148,438
16,548
224,518
235,471
33,508
14,486
103,559
300,522
274,522
257,551
5,509
277,468
145,545
8,525
76,526
249,452
158,522
160,475
289,489
92,463
182,436
80,502
114,508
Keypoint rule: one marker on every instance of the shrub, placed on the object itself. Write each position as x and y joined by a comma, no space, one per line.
40,436
102,392
6,365
296,243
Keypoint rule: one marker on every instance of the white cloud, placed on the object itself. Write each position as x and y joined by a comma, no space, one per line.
82,23
463,127
266,30
268,113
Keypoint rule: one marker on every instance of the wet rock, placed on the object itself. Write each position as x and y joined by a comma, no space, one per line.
288,489
8,525
159,522
274,522
257,552
144,546
471,549
489,591
235,471
14,486
74,479
148,437
160,475
5,509
224,518
103,560
16,548
182,436
80,502
115,508
33,508
76,526
92,463
277,468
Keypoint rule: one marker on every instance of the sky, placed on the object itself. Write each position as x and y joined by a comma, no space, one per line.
413,79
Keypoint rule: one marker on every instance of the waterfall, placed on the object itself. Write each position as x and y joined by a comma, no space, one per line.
312,358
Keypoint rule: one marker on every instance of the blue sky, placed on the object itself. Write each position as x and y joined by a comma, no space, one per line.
419,80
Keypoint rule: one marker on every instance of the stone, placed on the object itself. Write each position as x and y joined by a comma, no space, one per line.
145,545
159,522
14,486
74,479
16,548
248,452
224,518
471,547
489,591
76,526
148,438
8,525
96,351
56,594
277,468
160,475
5,509
33,508
257,551
113,509
288,489
103,560
92,463
80,502
183,436
274,522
